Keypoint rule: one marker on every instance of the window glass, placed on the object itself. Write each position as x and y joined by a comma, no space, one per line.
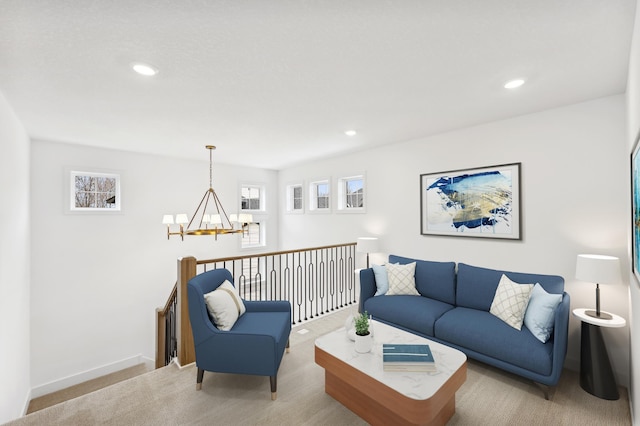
351,194
251,198
322,195
354,193
252,235
297,197
94,191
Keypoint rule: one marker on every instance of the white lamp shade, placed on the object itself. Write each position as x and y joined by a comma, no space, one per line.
367,245
233,217
245,218
216,219
182,218
167,219
598,269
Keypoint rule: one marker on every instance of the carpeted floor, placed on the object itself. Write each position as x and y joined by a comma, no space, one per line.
167,396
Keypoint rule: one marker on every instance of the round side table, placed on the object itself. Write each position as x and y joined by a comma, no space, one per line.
596,374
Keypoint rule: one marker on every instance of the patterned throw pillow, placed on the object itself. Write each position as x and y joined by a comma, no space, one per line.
224,305
402,279
510,302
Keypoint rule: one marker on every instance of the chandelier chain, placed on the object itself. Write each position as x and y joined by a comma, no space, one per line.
210,167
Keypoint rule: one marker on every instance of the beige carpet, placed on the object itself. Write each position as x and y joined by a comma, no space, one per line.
167,396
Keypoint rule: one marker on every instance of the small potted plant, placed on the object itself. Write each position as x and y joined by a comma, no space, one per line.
364,340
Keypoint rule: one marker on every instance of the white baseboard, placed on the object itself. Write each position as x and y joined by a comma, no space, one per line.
25,407
176,361
84,376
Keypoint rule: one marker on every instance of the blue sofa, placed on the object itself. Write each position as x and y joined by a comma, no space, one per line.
453,309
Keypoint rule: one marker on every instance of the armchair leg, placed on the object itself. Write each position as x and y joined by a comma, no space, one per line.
274,384
199,379
288,349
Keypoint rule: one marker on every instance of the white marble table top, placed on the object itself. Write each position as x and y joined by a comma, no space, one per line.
616,321
415,385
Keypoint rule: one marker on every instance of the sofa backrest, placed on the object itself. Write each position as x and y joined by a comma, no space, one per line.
477,286
436,280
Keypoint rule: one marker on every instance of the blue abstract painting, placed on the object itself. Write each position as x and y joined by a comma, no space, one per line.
481,202
635,200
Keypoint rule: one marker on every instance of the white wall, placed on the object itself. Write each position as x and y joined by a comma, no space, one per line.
98,278
574,200
633,129
14,265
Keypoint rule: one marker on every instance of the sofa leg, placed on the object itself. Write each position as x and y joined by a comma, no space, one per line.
547,390
274,384
288,349
199,379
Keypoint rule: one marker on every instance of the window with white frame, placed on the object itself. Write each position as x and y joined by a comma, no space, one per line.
351,193
94,191
320,194
295,201
252,235
253,200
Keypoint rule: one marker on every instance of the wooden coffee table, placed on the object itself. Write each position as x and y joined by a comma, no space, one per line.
380,397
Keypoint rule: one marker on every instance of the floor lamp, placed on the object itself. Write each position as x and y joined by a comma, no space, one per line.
367,245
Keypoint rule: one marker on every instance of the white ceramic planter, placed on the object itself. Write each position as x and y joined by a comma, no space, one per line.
364,343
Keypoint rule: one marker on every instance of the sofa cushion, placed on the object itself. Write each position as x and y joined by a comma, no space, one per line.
476,286
510,302
402,280
274,324
436,280
484,333
540,314
410,312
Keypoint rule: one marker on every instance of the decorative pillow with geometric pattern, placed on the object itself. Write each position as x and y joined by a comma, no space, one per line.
224,305
510,301
402,279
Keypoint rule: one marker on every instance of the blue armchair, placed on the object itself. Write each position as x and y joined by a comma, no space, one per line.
254,345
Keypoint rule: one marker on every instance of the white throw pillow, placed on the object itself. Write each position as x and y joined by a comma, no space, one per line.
402,279
510,301
225,306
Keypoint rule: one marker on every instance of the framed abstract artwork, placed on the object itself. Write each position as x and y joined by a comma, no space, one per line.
481,202
635,208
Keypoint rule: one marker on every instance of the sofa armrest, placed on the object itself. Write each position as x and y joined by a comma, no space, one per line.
267,306
560,336
367,286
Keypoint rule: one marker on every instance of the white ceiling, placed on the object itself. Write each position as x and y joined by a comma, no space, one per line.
275,83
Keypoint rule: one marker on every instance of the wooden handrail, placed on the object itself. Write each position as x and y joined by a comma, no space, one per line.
273,253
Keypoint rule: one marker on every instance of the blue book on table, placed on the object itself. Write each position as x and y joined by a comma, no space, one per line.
407,354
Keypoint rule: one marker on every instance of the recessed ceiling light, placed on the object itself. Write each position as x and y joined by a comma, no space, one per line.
350,133
144,69
514,84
